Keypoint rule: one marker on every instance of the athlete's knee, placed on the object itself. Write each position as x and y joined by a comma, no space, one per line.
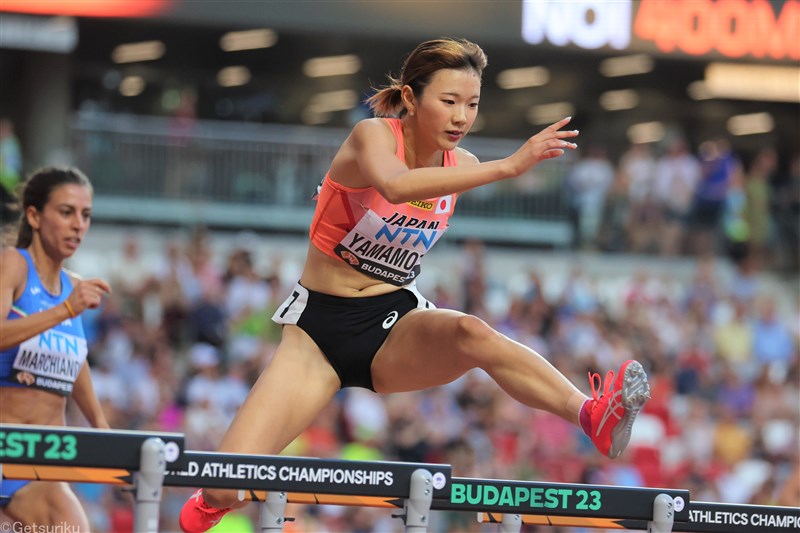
474,338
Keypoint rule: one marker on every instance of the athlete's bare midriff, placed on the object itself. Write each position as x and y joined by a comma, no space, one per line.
31,406
328,275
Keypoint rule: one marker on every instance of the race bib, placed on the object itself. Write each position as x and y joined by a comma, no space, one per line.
50,361
389,250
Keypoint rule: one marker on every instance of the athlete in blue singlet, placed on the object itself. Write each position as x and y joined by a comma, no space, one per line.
42,343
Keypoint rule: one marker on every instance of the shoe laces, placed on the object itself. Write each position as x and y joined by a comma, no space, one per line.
599,386
214,514
211,511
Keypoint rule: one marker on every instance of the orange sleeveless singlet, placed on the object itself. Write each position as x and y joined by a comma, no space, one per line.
380,239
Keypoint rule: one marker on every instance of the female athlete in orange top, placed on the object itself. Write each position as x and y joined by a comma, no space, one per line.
355,317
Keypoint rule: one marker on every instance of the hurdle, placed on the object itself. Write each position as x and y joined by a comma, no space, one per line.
558,504
79,455
411,487
151,461
506,503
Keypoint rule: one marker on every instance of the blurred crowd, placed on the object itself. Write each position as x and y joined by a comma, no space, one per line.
181,340
669,199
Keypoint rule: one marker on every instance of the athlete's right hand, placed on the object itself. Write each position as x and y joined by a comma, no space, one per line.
547,144
88,293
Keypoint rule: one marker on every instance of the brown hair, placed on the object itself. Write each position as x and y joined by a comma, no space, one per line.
38,188
419,67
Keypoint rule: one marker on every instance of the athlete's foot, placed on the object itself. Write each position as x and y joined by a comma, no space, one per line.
608,418
197,516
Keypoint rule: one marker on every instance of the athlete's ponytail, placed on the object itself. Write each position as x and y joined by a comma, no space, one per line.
388,100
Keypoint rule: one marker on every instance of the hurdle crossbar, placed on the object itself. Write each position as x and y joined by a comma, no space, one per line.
635,506
566,499
507,502
704,517
384,479
81,455
410,486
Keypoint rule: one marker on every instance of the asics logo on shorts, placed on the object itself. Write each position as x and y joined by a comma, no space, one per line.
390,319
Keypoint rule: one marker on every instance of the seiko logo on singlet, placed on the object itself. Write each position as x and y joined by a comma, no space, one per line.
443,204
427,206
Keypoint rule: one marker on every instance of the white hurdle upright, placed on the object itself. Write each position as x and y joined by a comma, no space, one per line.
151,461
148,482
418,504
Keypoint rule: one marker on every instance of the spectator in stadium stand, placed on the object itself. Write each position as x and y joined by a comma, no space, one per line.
785,209
773,344
356,318
10,168
757,208
719,165
637,170
677,174
37,297
588,182
789,493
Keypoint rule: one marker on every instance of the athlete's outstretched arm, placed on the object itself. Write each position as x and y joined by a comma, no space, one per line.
373,148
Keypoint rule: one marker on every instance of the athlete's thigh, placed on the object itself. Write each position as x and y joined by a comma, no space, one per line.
291,391
47,503
420,352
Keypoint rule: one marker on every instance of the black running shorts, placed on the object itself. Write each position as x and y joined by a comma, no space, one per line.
349,331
